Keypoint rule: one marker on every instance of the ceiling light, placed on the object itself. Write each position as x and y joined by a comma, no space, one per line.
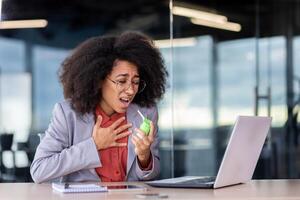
204,18
192,13
15,24
176,42
230,26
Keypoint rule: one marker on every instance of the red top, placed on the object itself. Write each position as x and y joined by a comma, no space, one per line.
113,159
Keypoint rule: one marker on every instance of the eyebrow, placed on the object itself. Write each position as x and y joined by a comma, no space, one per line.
126,75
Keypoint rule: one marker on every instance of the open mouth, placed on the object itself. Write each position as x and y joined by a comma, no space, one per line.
125,101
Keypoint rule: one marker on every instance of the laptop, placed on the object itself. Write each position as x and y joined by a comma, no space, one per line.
239,161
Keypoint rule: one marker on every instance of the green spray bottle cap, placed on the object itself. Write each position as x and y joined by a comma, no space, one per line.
145,126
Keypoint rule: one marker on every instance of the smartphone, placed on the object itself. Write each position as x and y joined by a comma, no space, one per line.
125,188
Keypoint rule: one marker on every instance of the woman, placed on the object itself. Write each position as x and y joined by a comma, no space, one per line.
94,134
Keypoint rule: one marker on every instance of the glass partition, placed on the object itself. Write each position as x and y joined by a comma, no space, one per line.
243,63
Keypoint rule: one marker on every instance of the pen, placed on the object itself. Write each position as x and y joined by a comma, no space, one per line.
66,186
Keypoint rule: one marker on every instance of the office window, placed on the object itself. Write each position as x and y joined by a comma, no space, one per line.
237,65
12,55
273,62
191,109
15,104
191,69
236,79
46,86
296,61
15,89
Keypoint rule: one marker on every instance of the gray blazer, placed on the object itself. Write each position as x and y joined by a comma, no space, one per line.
68,153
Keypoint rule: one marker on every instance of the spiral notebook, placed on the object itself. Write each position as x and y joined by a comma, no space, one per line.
77,188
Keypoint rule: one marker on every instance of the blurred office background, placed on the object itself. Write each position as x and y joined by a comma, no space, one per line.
225,58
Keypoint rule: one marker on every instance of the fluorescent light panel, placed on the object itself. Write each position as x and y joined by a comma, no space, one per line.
208,19
230,26
177,42
192,13
16,24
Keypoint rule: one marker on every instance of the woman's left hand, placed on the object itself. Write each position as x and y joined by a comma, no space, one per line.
142,145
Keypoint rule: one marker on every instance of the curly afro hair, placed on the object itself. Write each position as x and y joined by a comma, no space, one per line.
89,64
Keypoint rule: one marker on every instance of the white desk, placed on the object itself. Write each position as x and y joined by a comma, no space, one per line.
262,189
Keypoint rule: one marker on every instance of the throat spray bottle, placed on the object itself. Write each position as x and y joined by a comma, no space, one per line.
145,126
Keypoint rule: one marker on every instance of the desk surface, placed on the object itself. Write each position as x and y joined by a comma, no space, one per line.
257,189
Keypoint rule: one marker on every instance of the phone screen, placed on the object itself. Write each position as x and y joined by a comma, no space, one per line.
112,188
116,187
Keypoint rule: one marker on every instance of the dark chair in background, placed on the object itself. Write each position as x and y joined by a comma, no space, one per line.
6,141
17,173
29,147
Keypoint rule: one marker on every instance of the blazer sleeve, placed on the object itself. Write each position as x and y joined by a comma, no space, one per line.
56,157
155,170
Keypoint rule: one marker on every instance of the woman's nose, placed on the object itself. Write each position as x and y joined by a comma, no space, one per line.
130,89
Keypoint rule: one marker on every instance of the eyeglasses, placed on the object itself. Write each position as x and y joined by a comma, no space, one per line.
123,85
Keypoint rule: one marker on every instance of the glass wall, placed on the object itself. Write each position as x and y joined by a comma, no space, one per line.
190,107
47,89
250,69
13,101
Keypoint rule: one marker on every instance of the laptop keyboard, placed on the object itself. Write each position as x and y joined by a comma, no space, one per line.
200,180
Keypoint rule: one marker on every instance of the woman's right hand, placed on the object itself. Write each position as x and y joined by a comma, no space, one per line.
107,137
